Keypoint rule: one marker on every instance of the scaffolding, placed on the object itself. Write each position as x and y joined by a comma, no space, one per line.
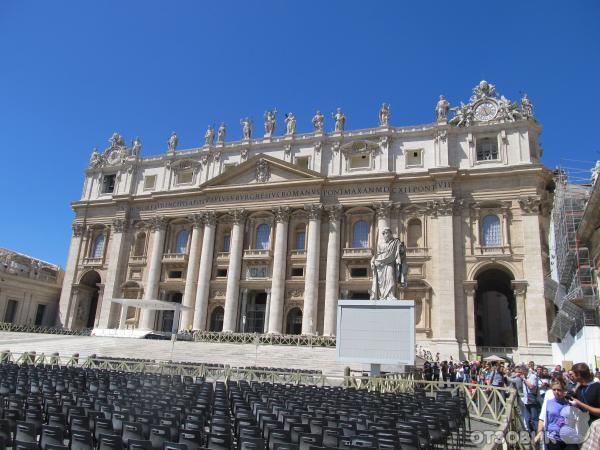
575,292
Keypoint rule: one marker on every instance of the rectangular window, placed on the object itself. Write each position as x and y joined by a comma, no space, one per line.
108,184
303,162
11,311
358,272
360,161
258,271
221,273
226,243
185,176
487,149
300,240
39,315
175,274
297,271
414,158
149,182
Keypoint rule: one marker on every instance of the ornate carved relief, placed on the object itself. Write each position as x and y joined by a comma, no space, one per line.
209,218
78,229
282,213
530,205
197,220
119,225
334,212
382,209
238,216
263,172
443,207
157,223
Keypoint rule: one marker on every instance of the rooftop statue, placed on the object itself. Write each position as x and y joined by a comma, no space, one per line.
246,128
482,90
463,115
290,123
384,115
389,267
221,133
340,120
526,107
96,158
270,123
441,109
136,147
209,136
318,121
116,140
172,142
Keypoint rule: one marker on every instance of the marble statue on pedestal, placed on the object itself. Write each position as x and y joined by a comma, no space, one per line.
172,142
246,128
270,123
389,267
209,136
442,108
318,121
384,115
340,120
290,123
221,133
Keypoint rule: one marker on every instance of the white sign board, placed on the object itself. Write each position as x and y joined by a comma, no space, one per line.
376,331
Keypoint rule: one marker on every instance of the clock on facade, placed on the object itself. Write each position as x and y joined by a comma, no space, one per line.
486,111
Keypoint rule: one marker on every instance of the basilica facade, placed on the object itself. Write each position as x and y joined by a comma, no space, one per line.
266,234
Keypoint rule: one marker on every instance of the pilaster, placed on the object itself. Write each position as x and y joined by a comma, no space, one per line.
332,280
64,318
311,280
275,308
233,273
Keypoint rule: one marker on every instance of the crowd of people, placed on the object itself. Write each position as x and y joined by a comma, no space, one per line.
558,406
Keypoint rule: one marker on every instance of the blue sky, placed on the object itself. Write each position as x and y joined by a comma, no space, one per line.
72,72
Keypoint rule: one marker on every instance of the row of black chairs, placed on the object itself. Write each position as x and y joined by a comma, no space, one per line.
88,409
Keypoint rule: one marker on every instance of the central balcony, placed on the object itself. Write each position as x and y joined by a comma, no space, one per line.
417,251
357,253
298,255
137,261
222,257
175,258
257,254
93,262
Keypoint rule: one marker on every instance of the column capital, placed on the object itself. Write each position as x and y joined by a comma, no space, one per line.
238,215
119,225
530,205
314,210
334,212
268,291
282,213
469,287
209,218
197,220
157,223
382,209
78,229
519,287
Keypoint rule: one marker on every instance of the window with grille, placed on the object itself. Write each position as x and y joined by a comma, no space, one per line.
360,234
487,149
300,238
491,231
108,184
98,248
181,241
262,236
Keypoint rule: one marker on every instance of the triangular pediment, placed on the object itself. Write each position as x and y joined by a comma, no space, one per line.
261,170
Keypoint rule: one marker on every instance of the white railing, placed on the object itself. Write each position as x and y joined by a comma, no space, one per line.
137,260
298,254
257,253
174,257
93,262
357,253
498,250
417,251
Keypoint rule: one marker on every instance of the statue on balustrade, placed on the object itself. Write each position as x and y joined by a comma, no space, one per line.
389,267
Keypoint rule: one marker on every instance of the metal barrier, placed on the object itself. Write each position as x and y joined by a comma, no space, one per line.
47,330
272,339
496,406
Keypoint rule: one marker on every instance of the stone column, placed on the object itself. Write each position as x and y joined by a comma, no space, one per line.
519,290
311,278
383,215
206,260
267,309
191,279
65,318
115,268
537,327
469,288
158,226
123,317
332,280
233,273
445,325
275,309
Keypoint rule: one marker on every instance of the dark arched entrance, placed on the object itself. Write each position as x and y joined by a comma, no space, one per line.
495,310
165,318
255,313
294,321
216,319
87,301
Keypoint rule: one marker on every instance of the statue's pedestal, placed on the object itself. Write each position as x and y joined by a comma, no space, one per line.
376,332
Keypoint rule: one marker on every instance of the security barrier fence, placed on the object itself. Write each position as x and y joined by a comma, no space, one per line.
495,406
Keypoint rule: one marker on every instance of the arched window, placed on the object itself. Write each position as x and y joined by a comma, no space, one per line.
181,241
414,233
491,231
98,246
360,234
300,240
262,236
140,245
216,319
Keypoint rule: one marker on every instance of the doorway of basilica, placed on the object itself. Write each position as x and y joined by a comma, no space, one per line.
165,318
495,310
255,312
87,301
